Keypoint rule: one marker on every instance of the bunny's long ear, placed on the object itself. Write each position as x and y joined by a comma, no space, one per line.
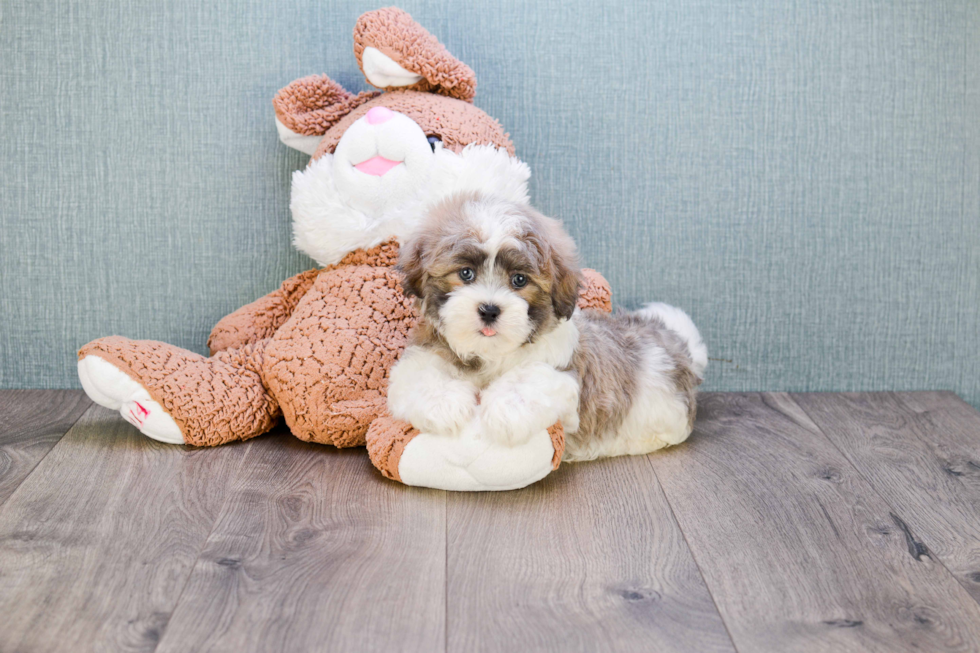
308,107
394,52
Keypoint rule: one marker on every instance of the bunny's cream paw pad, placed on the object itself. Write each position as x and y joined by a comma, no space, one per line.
466,464
108,386
470,464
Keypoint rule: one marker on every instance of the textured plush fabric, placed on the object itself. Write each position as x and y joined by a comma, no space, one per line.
213,400
263,317
329,364
557,433
313,104
596,292
802,177
395,34
386,440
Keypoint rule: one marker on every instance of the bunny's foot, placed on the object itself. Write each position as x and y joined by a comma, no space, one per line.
108,386
464,462
174,395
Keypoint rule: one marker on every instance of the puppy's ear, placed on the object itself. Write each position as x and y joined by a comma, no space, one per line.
567,281
558,256
410,264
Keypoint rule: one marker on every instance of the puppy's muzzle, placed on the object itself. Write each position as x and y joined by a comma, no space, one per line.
488,313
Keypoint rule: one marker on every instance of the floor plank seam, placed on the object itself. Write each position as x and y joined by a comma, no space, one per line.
704,580
47,453
204,543
915,544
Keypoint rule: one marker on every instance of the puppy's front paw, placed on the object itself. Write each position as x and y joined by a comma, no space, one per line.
510,418
526,401
446,416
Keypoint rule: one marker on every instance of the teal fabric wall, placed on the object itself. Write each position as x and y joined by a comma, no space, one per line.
803,177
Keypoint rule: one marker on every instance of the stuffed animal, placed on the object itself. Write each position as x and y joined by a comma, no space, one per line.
317,350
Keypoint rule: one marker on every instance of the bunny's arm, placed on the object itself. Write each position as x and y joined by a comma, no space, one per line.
263,317
595,292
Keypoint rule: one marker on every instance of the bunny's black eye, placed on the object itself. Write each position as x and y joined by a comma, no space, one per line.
432,141
518,280
467,275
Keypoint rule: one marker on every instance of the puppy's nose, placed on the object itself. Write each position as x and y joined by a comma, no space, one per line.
488,313
378,115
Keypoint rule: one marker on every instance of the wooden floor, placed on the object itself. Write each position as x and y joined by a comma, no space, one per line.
814,522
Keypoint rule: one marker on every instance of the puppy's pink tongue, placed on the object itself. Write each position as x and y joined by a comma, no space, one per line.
487,331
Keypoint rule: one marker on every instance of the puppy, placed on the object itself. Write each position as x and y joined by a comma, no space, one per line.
499,339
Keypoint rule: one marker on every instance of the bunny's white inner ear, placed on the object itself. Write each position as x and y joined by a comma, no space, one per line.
382,71
305,144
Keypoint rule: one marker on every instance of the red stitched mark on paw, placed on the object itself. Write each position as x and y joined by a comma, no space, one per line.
144,412
133,419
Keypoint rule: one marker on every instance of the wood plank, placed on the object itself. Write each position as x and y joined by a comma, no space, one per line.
921,452
799,552
96,544
316,551
590,559
31,423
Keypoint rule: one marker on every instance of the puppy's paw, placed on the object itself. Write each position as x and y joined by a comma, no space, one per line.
570,421
527,401
455,407
501,429
509,417
426,395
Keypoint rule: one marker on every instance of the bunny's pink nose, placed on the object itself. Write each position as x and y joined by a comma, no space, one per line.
378,115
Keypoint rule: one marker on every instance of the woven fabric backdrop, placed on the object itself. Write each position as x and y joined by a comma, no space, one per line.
802,177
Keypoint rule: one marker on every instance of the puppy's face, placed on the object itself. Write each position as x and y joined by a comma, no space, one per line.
491,275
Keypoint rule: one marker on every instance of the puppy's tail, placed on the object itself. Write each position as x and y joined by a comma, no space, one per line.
679,322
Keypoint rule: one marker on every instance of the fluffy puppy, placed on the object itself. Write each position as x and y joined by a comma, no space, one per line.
499,340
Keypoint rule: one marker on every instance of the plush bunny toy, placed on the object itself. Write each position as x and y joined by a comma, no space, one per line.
317,351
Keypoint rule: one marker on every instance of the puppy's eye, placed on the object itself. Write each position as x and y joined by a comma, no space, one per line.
432,141
466,275
518,280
